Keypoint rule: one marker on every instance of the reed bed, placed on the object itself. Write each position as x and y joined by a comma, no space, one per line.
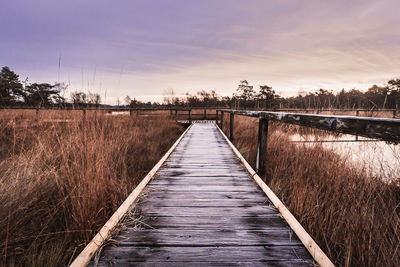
62,177
354,217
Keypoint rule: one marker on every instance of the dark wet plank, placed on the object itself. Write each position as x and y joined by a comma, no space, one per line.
202,211
206,188
208,237
261,222
205,195
204,181
204,254
254,263
203,208
157,203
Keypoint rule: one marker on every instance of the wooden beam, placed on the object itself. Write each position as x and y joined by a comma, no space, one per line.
377,128
231,124
262,146
221,121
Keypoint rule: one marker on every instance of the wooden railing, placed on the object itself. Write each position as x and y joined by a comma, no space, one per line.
378,128
177,113
187,113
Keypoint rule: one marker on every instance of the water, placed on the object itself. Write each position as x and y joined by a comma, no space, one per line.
119,113
376,157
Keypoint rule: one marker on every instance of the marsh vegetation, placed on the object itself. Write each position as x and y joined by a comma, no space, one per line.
62,177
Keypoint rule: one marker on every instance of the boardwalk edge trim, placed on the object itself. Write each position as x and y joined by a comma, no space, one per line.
88,252
315,251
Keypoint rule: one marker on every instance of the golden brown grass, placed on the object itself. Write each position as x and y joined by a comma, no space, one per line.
354,218
61,180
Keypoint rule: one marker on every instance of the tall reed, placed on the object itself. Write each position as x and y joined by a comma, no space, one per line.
60,180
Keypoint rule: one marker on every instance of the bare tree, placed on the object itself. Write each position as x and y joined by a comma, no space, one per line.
127,100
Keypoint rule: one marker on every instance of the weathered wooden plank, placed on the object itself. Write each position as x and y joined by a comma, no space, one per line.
208,211
205,168
199,172
202,203
205,254
286,263
207,188
263,222
203,181
209,237
205,195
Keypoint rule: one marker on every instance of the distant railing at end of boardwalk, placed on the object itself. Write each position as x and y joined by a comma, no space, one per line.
378,128
365,126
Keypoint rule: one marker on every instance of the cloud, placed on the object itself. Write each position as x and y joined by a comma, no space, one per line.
192,45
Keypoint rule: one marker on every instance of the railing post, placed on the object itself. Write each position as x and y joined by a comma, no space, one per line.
176,114
205,114
357,114
84,113
262,146
231,124
190,116
221,121
131,112
37,114
216,116
394,114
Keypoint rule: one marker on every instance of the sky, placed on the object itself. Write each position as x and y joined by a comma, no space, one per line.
145,48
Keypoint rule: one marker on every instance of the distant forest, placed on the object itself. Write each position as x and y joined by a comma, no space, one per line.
14,92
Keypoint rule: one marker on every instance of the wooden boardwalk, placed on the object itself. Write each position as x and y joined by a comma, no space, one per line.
203,208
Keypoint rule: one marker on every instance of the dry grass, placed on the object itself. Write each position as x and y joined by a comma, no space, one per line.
60,181
354,218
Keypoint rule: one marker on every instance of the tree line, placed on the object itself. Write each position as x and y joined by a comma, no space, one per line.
246,97
14,92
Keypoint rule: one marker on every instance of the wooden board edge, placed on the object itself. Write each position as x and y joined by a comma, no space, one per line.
87,253
315,251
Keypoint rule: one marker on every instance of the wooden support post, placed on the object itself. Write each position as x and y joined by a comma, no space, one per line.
170,113
221,121
262,146
176,114
357,113
231,115
84,113
131,113
37,114
394,114
205,114
216,117
190,116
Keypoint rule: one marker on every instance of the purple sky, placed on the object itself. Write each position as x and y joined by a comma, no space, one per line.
142,48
